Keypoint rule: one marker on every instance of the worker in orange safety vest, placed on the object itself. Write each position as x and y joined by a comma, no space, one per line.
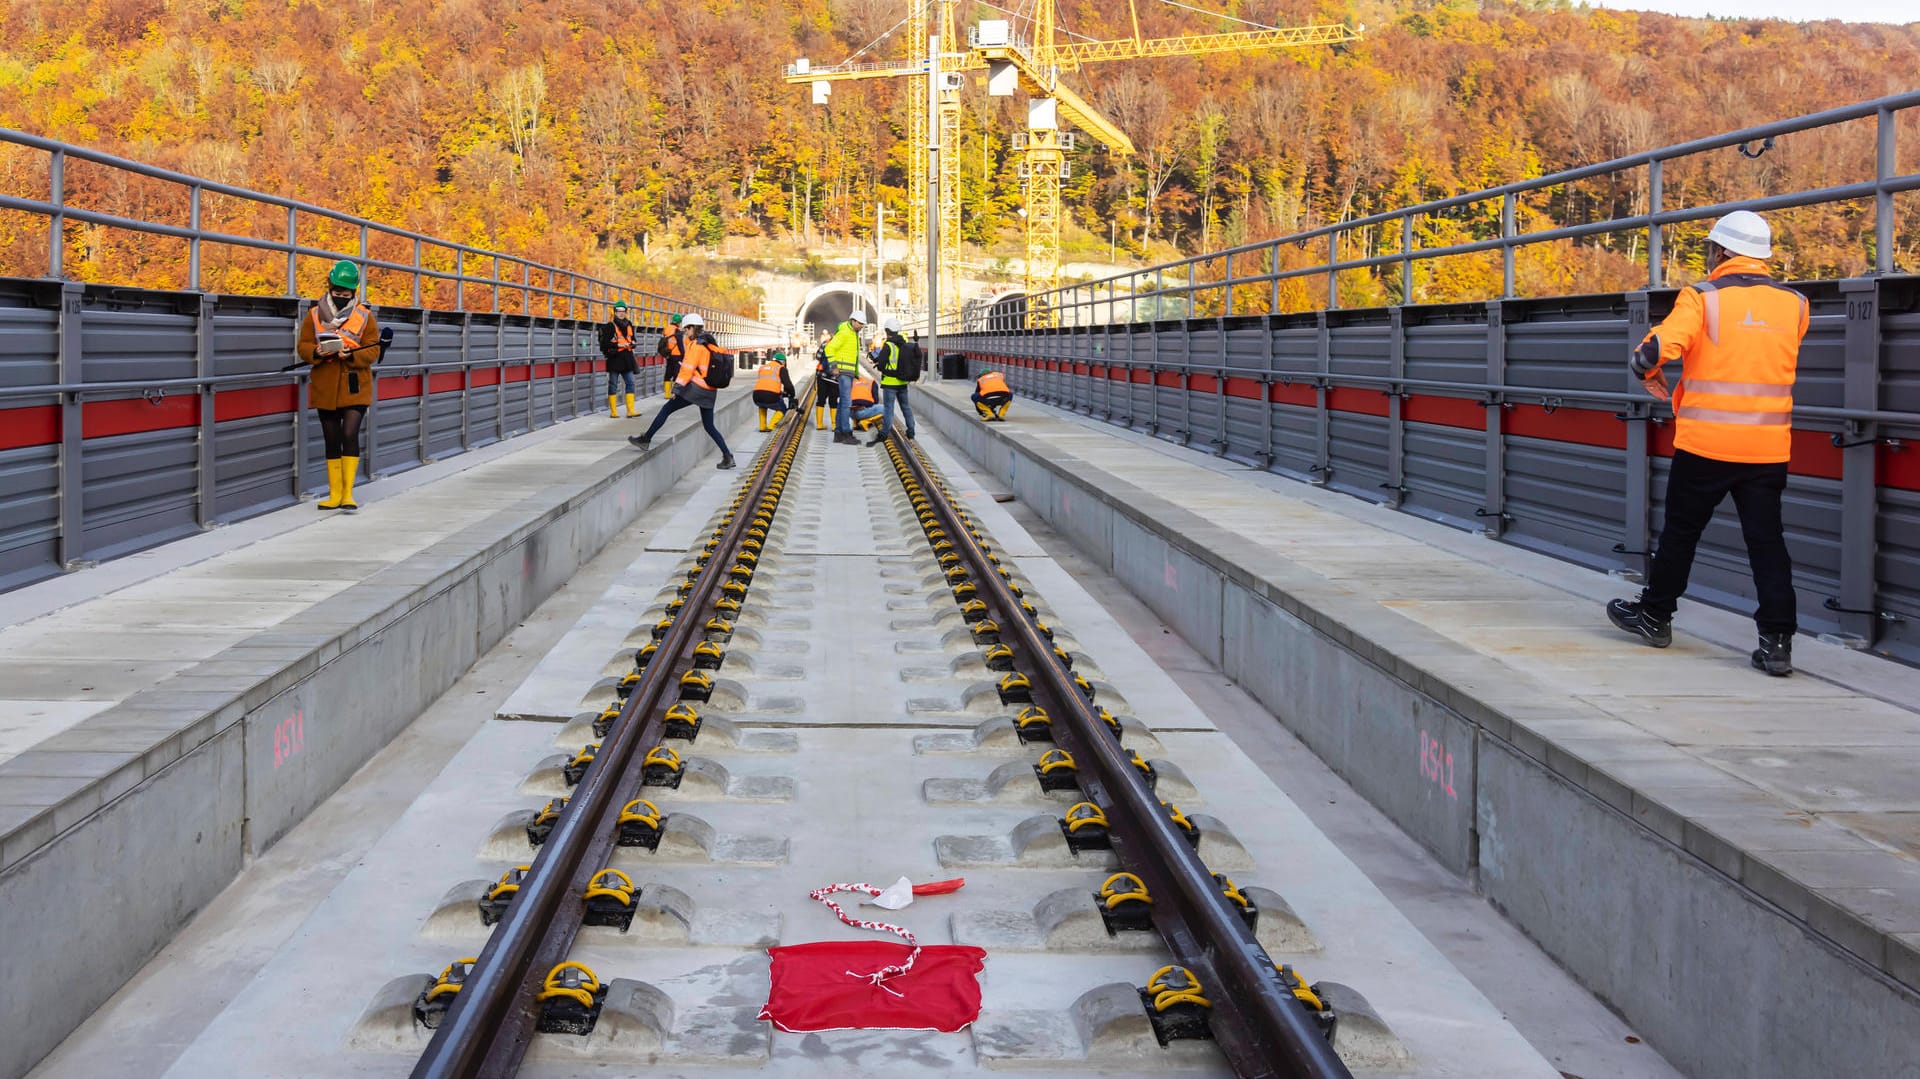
1737,335
773,391
992,396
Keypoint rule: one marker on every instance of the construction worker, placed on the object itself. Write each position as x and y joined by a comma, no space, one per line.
1737,335
865,401
899,362
616,344
827,384
340,340
843,354
773,391
691,389
991,396
671,348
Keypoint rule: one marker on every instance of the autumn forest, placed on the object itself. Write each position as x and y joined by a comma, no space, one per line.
622,136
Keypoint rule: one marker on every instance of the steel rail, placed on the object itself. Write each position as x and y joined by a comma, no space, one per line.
490,1026
1260,1026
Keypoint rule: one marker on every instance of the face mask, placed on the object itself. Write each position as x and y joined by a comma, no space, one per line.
341,300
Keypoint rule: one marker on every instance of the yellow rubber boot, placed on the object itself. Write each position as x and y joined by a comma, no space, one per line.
631,411
1001,412
349,468
613,411
333,486
820,418
761,416
985,412
666,389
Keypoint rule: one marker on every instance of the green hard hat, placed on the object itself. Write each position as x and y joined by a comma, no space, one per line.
344,275
619,305
675,320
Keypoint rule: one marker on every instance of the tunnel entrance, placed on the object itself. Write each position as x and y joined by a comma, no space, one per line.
826,306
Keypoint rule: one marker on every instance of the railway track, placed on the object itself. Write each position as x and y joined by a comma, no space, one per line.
486,1012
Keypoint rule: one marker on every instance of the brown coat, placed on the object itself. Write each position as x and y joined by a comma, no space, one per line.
329,387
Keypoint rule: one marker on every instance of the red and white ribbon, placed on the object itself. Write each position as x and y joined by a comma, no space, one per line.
823,895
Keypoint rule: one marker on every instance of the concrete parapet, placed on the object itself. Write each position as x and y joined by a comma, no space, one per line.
113,833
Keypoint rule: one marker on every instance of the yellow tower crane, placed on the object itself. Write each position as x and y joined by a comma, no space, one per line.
1033,65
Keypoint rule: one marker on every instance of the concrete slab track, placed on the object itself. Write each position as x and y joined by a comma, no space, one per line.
1695,842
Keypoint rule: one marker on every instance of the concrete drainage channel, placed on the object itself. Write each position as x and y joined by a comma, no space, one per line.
144,849
856,728
1567,867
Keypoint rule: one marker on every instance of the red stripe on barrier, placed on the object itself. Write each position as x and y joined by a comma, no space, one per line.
1293,393
399,387
486,376
1582,425
1167,378
1140,375
1814,454
544,370
442,383
34,425
1899,468
1082,369
515,374
1445,412
105,419
1203,383
1244,387
1357,401
259,401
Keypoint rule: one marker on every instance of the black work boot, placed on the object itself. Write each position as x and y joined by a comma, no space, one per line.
640,441
877,439
1775,654
847,439
1633,616
726,462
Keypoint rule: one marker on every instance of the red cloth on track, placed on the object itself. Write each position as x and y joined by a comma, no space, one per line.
824,986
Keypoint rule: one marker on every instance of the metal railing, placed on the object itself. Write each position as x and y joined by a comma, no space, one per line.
1119,298
583,296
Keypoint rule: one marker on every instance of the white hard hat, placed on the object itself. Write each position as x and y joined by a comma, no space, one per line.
856,316
1743,232
693,320
892,325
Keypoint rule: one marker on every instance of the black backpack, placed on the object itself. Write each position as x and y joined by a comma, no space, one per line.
906,364
719,365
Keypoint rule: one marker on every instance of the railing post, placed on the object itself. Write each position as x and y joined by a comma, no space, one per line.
1883,169
1636,539
1396,425
1406,264
1333,275
1229,284
416,271
299,417
72,545
496,283
1859,498
466,377
1506,247
1496,413
1656,233
422,356
57,223
1273,267
193,244
293,253
1323,421
460,282
204,364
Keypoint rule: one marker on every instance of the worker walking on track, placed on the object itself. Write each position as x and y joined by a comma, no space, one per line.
773,391
1737,335
340,340
692,388
671,348
616,344
899,362
992,395
843,355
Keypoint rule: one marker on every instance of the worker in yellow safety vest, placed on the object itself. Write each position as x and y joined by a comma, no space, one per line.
992,396
773,391
843,354
1737,335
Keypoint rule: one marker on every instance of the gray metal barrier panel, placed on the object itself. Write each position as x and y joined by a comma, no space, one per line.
173,411
1516,418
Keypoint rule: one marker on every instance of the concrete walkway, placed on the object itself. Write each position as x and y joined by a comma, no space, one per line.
1446,675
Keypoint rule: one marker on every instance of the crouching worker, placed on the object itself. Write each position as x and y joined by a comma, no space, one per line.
340,340
691,388
773,392
866,403
991,396
616,344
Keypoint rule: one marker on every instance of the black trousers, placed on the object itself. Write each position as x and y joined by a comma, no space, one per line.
1695,486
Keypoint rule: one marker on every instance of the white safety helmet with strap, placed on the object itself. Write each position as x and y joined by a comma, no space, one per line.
693,320
1743,232
892,325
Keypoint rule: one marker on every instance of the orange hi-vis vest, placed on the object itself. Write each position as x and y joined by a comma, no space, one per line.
673,343
864,393
1737,335
769,380
991,383
622,337
693,368
349,331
